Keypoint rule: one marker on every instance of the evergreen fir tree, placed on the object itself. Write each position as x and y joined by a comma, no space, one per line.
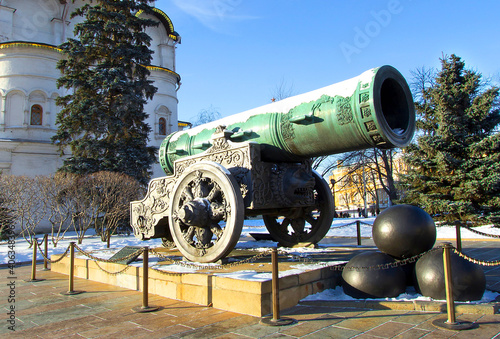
102,118
454,167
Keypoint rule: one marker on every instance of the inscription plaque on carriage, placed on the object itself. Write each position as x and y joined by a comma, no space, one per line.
125,252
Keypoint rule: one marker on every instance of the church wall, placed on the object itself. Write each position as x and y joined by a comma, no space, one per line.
28,76
44,21
162,46
15,105
34,159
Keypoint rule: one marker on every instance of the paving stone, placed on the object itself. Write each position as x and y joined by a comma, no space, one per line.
412,333
333,332
49,330
223,327
259,330
441,334
120,330
60,315
64,333
231,336
308,327
389,329
308,312
414,317
218,316
366,336
369,319
347,312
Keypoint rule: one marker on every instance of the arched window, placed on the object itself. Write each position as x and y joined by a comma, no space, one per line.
162,126
36,115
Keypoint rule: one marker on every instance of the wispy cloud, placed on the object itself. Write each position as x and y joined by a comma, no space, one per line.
213,13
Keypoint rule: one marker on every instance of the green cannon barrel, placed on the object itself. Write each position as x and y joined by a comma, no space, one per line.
374,109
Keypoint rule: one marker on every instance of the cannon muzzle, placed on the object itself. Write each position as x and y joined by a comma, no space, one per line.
374,109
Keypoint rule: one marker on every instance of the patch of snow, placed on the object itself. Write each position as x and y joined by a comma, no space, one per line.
91,243
337,293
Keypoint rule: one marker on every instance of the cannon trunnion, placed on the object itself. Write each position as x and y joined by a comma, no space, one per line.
259,163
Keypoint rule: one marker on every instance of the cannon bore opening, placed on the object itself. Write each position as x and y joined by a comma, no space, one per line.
395,106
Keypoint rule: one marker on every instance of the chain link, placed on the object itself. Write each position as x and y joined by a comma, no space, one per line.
470,229
477,261
342,226
481,233
165,273
357,268
362,223
111,273
50,260
213,267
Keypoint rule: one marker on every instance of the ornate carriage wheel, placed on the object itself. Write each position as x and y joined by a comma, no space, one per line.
304,225
206,212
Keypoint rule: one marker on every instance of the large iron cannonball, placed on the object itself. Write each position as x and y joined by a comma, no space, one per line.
372,283
404,231
468,279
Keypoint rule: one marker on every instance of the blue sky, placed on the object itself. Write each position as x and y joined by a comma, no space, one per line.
234,53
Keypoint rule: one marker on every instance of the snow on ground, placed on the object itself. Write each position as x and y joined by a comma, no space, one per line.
339,229
410,295
94,245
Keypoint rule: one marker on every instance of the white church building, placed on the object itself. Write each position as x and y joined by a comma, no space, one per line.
30,31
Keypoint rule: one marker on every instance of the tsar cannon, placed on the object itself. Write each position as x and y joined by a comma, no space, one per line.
259,163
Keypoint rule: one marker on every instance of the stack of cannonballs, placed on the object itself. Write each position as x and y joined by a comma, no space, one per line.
401,232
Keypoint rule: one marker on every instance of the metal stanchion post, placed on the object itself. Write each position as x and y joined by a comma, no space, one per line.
71,270
46,249
275,320
458,224
451,322
448,284
33,263
358,230
145,285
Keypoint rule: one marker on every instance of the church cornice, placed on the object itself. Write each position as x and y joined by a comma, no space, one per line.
163,69
167,23
13,44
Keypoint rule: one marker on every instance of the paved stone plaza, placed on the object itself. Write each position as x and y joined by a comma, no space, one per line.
105,311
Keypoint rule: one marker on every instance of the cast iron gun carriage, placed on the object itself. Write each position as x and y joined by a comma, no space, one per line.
259,163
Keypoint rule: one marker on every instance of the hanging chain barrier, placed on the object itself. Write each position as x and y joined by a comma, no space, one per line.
45,255
470,229
96,259
351,224
481,233
171,274
303,259
361,268
297,258
112,273
477,261
211,266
